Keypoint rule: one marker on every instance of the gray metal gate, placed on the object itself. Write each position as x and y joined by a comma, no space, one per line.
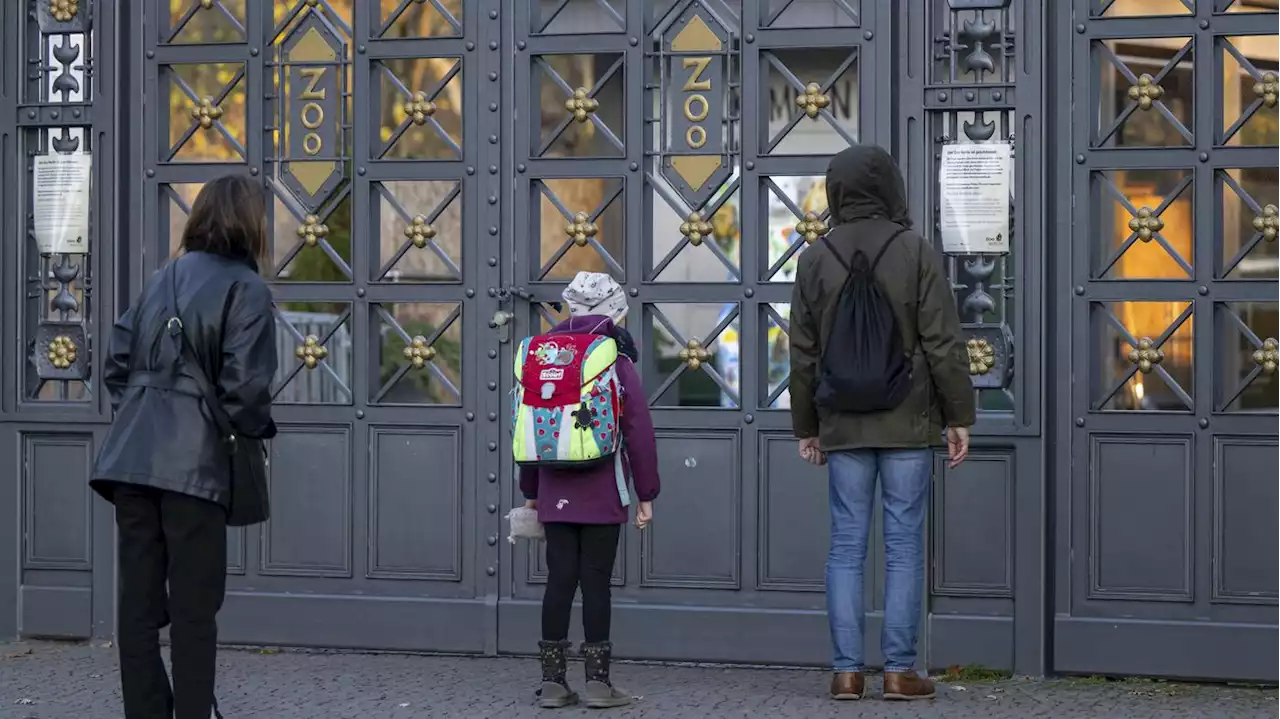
1166,519
440,168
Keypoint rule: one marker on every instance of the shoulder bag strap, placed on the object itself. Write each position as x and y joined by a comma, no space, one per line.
191,364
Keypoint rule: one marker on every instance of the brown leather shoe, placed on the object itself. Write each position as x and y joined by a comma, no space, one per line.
901,686
846,686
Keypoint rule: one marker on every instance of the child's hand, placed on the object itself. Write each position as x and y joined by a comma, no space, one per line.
644,514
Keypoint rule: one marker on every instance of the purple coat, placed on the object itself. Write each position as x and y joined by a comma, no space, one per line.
591,496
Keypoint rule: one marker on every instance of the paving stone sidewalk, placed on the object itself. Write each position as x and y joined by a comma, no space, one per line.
79,681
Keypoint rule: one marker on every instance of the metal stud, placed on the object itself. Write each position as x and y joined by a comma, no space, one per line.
1268,89
696,229
206,112
1268,223
812,100
1268,356
982,356
418,107
418,352
311,352
1146,92
581,229
581,105
419,232
694,354
1146,355
312,230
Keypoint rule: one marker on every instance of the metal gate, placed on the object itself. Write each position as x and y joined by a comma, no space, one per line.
1167,523
439,169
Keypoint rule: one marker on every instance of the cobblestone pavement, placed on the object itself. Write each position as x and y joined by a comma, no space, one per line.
79,681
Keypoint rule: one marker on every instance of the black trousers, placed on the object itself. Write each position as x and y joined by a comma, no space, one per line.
178,540
579,555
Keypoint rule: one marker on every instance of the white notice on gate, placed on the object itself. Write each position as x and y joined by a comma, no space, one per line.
973,186
60,186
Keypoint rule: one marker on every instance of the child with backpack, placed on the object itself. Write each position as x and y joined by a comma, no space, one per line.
583,438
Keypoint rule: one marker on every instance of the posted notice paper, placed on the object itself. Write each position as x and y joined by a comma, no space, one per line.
61,189
973,186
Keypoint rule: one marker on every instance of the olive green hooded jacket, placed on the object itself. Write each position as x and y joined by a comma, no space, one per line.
868,205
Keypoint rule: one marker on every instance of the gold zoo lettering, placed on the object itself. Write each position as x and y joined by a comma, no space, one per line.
696,106
312,114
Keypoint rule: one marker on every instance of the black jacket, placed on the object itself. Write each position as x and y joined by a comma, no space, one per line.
868,206
162,435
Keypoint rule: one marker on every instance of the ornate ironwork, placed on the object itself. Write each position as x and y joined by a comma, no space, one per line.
62,352
1268,355
1268,89
1146,92
581,105
1146,355
973,98
311,351
312,230
811,227
418,107
813,100
694,355
419,352
1146,224
206,113
420,232
696,229
64,10
581,230
982,356
1268,223
696,144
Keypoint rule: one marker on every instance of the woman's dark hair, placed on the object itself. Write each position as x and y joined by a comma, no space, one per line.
228,218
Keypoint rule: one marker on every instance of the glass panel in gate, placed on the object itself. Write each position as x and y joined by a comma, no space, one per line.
681,151
355,117
1174,317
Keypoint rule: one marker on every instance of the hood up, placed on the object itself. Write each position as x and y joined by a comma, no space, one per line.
863,183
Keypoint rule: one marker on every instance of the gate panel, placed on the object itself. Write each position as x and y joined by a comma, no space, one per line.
1173,315
691,172
358,118
59,89
970,73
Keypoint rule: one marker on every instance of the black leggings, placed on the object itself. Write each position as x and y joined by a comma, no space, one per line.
579,554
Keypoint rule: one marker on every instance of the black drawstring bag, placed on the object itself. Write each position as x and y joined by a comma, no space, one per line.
864,368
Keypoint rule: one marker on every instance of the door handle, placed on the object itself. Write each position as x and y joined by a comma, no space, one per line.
506,294
502,323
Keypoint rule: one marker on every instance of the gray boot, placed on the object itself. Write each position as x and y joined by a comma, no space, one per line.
600,693
555,691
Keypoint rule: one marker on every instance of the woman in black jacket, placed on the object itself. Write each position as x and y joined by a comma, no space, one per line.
164,464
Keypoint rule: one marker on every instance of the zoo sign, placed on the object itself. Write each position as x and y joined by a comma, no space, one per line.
695,88
312,81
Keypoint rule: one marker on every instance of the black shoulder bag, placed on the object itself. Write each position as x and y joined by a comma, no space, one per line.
247,456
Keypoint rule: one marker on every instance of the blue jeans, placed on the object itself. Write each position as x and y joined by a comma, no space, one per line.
905,474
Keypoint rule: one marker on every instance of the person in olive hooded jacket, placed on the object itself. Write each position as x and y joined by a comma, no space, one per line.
868,207
583,510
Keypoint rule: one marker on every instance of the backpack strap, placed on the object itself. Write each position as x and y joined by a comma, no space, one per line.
885,247
845,264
